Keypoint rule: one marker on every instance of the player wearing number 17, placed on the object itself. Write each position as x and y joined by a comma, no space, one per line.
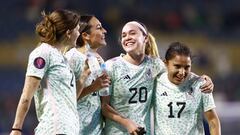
179,103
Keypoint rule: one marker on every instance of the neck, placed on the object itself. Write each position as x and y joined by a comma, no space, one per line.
83,49
134,59
62,48
88,46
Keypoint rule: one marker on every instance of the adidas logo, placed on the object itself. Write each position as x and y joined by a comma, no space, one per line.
127,77
164,94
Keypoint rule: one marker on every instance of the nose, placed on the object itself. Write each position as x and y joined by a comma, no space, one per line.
104,31
182,71
127,37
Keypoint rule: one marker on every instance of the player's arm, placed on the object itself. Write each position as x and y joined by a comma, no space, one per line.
110,113
82,79
30,86
100,82
213,122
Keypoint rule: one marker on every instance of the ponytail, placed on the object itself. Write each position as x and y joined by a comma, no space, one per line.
151,46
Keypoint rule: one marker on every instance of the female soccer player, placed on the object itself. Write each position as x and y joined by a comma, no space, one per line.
92,37
50,79
127,105
179,103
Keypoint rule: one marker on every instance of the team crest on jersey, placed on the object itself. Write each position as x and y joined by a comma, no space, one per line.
190,94
39,62
149,74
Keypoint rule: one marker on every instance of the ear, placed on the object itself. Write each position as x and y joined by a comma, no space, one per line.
68,33
146,39
86,36
165,62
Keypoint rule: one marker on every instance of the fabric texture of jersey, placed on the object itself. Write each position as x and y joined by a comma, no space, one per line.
55,100
89,107
131,91
179,109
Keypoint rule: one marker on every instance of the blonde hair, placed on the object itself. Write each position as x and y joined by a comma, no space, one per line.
53,27
151,46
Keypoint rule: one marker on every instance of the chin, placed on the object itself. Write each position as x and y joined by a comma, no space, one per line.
178,82
104,44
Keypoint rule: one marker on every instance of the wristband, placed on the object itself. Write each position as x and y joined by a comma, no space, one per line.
17,129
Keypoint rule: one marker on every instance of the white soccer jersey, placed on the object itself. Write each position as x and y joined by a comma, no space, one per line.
55,100
89,107
179,109
131,91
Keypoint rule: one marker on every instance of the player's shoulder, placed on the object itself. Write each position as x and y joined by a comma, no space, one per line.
74,54
42,50
112,61
155,60
196,81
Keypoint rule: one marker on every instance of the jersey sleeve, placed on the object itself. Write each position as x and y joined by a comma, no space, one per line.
38,63
158,66
208,101
207,98
76,63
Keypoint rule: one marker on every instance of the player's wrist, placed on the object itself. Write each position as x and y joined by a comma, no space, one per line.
17,129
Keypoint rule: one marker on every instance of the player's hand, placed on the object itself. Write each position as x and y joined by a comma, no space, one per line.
132,127
14,132
141,131
208,86
86,71
102,81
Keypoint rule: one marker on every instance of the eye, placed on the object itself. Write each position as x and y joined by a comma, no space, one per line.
123,35
99,27
132,33
187,67
177,66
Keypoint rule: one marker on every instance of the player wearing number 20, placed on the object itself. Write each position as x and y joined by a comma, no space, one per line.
179,103
127,107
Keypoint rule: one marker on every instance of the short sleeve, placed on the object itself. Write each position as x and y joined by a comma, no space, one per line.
158,66
207,98
38,63
208,101
76,62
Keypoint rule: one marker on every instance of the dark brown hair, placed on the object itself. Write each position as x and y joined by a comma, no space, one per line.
177,48
53,27
84,27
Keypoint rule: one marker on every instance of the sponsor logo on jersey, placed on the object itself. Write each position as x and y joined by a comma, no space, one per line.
39,62
126,77
164,94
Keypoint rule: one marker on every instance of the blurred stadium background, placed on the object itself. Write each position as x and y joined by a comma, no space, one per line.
211,28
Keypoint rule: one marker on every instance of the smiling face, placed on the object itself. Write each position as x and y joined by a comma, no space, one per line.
178,68
96,37
132,39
